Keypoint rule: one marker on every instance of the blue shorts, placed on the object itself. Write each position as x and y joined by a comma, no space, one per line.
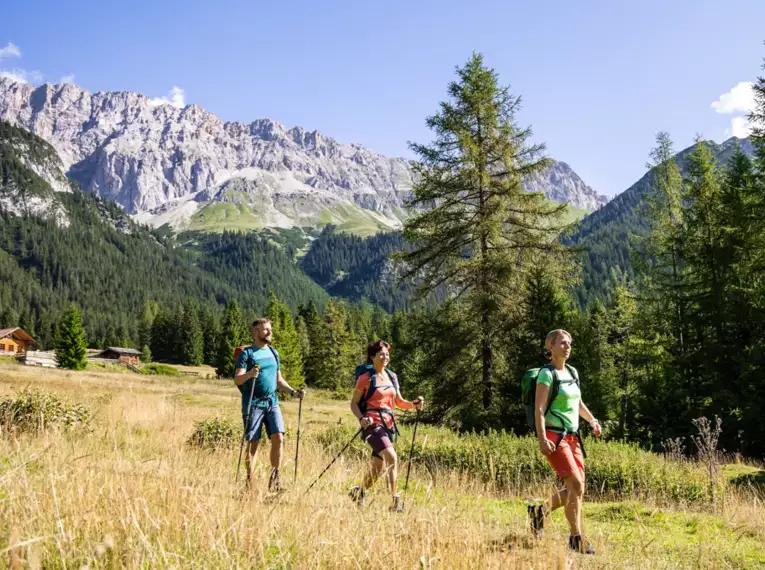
272,417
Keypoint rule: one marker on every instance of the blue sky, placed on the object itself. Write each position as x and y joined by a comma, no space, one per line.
598,78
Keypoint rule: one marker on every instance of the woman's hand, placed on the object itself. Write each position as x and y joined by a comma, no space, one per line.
596,429
365,422
546,446
418,403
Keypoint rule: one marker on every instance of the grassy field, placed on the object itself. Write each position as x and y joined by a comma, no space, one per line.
127,491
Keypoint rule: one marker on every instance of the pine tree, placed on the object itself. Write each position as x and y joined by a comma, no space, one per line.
233,334
210,334
161,336
192,340
286,341
334,351
473,227
315,331
150,310
146,354
70,341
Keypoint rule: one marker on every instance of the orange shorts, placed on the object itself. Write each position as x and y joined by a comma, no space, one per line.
567,459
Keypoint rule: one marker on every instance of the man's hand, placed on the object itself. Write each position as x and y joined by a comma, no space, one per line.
419,403
546,446
596,429
299,393
254,372
365,422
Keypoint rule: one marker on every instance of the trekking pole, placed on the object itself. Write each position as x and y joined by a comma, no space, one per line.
244,433
297,448
411,450
347,445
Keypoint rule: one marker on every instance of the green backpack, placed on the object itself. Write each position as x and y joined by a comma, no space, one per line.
529,390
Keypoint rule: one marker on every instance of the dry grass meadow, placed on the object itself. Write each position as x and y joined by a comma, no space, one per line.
128,492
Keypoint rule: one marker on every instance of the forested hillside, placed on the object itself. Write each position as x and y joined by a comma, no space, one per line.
61,247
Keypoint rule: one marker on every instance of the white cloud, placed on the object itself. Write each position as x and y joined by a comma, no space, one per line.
741,127
740,99
176,98
21,75
67,78
11,50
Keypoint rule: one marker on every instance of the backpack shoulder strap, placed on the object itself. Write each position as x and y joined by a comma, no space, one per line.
574,373
276,356
394,379
372,385
554,389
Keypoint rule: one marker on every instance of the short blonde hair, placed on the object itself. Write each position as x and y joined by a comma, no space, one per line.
552,336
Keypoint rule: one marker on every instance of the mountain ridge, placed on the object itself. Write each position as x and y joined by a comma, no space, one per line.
160,160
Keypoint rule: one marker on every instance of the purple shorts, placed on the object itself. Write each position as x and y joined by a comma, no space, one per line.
377,437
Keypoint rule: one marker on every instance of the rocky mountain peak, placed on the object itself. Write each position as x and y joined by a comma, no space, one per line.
148,156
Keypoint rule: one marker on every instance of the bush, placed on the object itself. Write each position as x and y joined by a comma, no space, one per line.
214,433
612,468
160,369
34,411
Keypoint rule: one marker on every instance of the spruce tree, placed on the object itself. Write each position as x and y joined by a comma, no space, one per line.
161,336
286,341
314,331
210,334
334,351
192,340
233,334
146,354
70,341
473,228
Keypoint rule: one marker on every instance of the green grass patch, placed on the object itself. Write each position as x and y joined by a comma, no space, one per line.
741,475
160,369
613,468
104,366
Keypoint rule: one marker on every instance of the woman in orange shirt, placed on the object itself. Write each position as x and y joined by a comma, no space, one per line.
376,396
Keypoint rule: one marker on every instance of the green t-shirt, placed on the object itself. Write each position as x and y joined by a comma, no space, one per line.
564,411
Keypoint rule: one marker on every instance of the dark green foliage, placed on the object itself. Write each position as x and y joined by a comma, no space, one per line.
354,268
70,340
233,333
286,342
191,338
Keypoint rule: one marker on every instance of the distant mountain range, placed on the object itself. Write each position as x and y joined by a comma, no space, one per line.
188,168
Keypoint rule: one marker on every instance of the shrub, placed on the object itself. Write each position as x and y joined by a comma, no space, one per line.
612,468
160,369
214,433
33,411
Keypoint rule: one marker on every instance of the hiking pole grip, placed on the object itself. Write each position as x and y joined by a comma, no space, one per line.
246,425
297,448
411,450
347,445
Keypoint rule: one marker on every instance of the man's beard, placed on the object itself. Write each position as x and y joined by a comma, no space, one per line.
266,338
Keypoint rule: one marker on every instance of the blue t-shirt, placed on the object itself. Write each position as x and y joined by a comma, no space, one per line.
265,384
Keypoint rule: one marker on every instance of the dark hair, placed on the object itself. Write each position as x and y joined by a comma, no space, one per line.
260,321
374,347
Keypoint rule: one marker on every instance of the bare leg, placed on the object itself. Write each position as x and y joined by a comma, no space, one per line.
556,501
249,460
374,472
575,488
277,441
391,468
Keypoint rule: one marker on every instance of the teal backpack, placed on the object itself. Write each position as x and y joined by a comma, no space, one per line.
529,390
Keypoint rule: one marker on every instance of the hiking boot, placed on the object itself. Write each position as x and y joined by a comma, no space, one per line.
536,519
359,496
578,544
274,486
398,504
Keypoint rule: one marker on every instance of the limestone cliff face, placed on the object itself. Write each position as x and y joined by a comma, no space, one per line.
167,163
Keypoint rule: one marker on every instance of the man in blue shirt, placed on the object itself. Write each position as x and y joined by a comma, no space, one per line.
259,364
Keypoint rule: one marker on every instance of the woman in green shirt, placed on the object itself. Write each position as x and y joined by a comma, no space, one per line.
557,428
